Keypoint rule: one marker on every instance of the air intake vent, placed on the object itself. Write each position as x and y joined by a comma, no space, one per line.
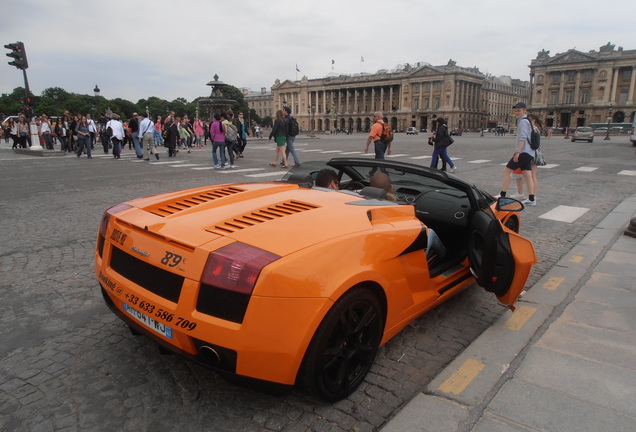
259,216
170,208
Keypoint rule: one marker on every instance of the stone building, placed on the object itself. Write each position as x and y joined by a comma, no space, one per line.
261,102
408,96
580,88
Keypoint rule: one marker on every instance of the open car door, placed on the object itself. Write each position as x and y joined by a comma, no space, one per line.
500,260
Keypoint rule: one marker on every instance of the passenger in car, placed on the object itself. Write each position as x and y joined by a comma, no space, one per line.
327,178
382,181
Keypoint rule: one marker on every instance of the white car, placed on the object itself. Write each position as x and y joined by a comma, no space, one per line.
411,131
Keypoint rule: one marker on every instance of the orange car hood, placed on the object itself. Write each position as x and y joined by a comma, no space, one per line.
278,217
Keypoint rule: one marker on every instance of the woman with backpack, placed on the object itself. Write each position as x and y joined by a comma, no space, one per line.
279,132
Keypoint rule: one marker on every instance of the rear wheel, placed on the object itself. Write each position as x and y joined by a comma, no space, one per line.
344,347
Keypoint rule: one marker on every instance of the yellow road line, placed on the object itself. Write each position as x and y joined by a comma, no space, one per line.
553,283
519,317
463,376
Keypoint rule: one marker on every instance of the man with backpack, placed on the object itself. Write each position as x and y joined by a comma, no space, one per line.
523,157
292,130
380,135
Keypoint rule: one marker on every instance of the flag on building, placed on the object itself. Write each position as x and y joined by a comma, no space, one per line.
362,59
297,70
333,62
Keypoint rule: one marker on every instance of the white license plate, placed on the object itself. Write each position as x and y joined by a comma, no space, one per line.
156,326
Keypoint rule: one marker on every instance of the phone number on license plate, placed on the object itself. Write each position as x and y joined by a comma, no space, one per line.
160,328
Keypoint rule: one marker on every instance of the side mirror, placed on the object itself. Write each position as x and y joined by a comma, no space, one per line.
509,204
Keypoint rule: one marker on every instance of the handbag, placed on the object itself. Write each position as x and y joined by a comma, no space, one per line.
23,133
450,141
430,141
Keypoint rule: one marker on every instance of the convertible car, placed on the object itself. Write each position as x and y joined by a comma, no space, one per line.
290,284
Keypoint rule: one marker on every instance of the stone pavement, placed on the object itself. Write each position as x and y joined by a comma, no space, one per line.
563,361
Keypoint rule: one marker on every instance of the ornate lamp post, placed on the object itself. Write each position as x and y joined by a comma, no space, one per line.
609,120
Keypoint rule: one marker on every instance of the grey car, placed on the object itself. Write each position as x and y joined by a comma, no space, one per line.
583,133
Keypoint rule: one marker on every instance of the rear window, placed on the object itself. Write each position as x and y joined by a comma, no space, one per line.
584,129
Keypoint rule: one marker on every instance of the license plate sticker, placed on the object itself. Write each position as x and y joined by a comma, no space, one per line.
156,326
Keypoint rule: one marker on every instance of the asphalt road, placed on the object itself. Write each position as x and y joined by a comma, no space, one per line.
67,363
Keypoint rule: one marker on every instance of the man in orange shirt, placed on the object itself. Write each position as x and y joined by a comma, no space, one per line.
380,147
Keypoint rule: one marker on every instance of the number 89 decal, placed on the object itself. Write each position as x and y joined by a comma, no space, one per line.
171,259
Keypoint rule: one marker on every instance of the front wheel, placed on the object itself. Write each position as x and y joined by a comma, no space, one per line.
344,347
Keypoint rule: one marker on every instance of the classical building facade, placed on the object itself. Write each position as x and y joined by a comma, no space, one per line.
408,96
580,88
261,102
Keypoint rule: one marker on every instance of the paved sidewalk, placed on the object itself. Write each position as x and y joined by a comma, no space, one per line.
564,361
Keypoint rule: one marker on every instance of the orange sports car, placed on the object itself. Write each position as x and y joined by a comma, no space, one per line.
293,284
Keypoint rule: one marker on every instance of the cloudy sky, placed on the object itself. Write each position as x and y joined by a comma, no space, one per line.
169,49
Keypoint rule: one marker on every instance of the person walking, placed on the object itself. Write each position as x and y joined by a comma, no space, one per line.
217,136
523,156
279,132
60,132
12,132
83,138
147,136
23,132
133,125
45,132
231,134
441,139
118,134
375,136
291,136
242,128
198,132
92,127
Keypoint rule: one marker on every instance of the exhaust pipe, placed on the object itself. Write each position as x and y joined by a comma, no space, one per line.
210,355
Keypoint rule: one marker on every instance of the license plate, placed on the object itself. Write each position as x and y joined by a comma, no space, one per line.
156,326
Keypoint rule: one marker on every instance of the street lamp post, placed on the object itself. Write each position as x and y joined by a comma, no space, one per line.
567,125
609,119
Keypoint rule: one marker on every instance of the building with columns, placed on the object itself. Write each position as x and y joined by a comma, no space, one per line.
408,96
578,88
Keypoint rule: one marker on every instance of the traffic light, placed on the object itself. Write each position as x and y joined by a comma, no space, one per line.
19,54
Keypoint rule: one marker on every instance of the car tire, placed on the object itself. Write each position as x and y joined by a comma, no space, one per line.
592,140
344,346
572,140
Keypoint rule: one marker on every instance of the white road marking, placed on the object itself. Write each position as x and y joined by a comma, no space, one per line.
478,161
565,213
586,169
267,174
627,172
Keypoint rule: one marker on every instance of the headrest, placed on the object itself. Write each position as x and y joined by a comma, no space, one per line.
301,179
373,192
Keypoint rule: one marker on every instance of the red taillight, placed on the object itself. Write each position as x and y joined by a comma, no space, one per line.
107,214
236,267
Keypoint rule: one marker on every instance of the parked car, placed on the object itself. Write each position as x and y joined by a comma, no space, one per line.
583,133
455,132
296,285
411,131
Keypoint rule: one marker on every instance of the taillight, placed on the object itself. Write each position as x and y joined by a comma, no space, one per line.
108,213
236,267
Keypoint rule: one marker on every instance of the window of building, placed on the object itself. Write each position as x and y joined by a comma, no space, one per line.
585,96
622,97
626,75
416,87
427,103
554,97
587,75
569,97
416,104
556,78
438,85
571,76
427,86
437,102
